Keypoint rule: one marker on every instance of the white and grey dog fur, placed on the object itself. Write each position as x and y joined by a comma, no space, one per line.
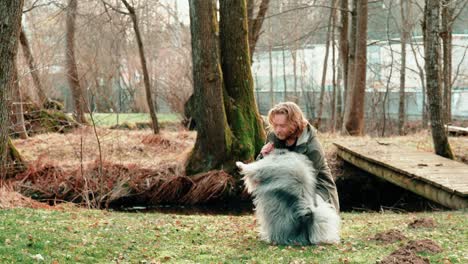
287,207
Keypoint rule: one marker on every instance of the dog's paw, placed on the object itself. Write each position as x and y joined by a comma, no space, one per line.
240,165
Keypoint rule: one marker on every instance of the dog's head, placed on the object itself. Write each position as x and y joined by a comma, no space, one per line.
247,171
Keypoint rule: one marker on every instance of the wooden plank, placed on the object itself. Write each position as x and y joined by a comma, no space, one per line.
426,173
441,196
414,170
457,130
416,173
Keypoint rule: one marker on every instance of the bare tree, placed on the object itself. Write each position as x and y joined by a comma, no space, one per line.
325,64
336,91
10,21
404,37
354,115
448,16
432,66
387,86
19,126
343,58
28,56
255,24
270,64
72,70
146,79
351,58
425,118
285,83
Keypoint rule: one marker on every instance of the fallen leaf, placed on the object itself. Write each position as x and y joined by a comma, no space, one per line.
38,257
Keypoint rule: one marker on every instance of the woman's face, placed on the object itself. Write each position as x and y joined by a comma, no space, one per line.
281,127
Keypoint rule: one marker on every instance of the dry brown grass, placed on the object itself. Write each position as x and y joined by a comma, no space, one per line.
69,151
146,168
134,164
11,199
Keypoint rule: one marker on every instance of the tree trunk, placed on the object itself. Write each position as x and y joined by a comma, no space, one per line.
242,113
10,21
387,86
32,68
351,64
255,24
146,79
272,89
446,35
19,126
354,117
285,97
334,95
72,71
404,12
343,58
17,163
325,65
214,137
423,87
339,98
294,58
432,66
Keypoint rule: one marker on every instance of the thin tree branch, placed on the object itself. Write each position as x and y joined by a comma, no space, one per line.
306,6
114,8
458,67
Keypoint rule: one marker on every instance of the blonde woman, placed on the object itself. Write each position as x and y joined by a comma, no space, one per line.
289,129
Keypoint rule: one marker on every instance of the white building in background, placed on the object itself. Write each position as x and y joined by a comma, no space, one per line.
380,65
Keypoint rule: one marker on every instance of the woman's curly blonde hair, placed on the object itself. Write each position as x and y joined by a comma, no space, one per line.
293,114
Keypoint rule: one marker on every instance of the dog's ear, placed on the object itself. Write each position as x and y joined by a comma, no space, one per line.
240,165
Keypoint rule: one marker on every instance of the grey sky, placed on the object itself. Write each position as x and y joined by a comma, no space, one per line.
182,6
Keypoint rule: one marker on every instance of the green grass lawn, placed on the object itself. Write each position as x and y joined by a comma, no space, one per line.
110,119
92,236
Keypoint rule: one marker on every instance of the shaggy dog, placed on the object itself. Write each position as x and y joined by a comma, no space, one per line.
286,206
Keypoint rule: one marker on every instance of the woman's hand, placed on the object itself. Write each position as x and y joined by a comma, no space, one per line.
267,149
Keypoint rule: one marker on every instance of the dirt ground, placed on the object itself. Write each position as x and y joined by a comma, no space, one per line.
389,236
422,223
408,253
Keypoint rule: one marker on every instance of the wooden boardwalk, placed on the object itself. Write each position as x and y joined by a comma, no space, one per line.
457,131
438,179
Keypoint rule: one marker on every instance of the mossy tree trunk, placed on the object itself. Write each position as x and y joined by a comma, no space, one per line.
214,137
228,123
10,24
16,162
433,81
241,109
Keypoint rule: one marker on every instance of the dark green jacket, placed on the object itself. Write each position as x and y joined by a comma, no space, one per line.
309,145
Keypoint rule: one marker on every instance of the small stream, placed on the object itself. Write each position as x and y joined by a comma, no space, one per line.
215,209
